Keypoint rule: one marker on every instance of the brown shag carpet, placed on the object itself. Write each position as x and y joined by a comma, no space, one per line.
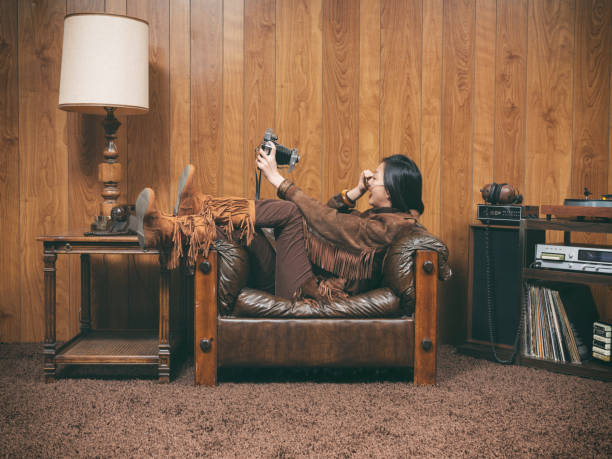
478,409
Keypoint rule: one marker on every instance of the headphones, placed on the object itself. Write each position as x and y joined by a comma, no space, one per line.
501,193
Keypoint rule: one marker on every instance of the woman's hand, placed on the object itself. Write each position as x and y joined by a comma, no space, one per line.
266,163
364,178
362,185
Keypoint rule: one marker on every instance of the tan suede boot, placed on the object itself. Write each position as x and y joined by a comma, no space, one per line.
188,200
154,230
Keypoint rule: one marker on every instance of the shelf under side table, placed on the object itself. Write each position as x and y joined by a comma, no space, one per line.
111,347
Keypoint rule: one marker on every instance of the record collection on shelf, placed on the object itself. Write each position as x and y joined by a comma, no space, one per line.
549,333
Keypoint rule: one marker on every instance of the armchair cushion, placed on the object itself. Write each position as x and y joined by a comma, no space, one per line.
376,303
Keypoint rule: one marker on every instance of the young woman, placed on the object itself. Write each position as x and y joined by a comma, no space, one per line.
346,247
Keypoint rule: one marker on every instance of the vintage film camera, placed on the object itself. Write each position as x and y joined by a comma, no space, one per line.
284,155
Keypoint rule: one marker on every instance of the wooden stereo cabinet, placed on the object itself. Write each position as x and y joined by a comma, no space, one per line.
531,229
95,347
504,263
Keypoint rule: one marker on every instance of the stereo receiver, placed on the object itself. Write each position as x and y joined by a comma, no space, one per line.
505,214
574,258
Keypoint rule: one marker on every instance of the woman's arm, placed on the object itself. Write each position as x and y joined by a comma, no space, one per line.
346,229
346,200
269,168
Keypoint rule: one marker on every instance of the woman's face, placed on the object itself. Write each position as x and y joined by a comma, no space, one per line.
376,186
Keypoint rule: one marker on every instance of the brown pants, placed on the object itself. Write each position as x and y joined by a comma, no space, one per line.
283,271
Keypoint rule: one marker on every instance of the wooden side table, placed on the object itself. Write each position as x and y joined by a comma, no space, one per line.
103,347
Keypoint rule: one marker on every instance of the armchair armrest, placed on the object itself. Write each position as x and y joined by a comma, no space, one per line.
399,264
205,319
233,273
426,318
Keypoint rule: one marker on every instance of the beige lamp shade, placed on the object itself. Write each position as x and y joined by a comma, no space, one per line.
105,63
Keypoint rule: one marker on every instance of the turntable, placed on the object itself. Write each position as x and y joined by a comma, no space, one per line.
581,208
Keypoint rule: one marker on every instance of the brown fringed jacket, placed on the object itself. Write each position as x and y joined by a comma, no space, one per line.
345,242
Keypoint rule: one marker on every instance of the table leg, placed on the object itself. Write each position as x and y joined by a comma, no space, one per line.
163,366
49,344
85,293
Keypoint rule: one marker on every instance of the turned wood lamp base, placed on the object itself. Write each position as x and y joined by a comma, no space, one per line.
109,173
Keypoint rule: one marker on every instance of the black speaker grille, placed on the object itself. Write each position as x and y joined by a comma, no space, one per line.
505,264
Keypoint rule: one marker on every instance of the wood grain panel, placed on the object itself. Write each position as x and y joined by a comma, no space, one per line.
457,113
591,97
10,260
180,97
591,112
233,98
549,101
43,174
148,135
477,101
340,96
510,93
298,87
149,157
431,118
484,98
84,6
369,89
85,139
207,94
400,56
259,83
116,6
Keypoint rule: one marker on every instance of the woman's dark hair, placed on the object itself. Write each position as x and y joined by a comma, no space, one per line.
404,183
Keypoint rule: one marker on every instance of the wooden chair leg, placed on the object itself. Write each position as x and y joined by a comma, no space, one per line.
205,320
426,318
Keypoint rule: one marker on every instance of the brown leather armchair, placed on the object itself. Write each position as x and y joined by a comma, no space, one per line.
394,325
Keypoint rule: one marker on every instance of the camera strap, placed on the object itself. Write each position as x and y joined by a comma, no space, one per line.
257,184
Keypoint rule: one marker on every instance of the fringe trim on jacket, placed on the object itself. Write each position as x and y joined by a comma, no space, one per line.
345,263
194,234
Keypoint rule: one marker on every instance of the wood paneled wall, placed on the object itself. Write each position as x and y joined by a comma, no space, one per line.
473,90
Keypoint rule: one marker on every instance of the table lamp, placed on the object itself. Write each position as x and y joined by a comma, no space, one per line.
105,71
